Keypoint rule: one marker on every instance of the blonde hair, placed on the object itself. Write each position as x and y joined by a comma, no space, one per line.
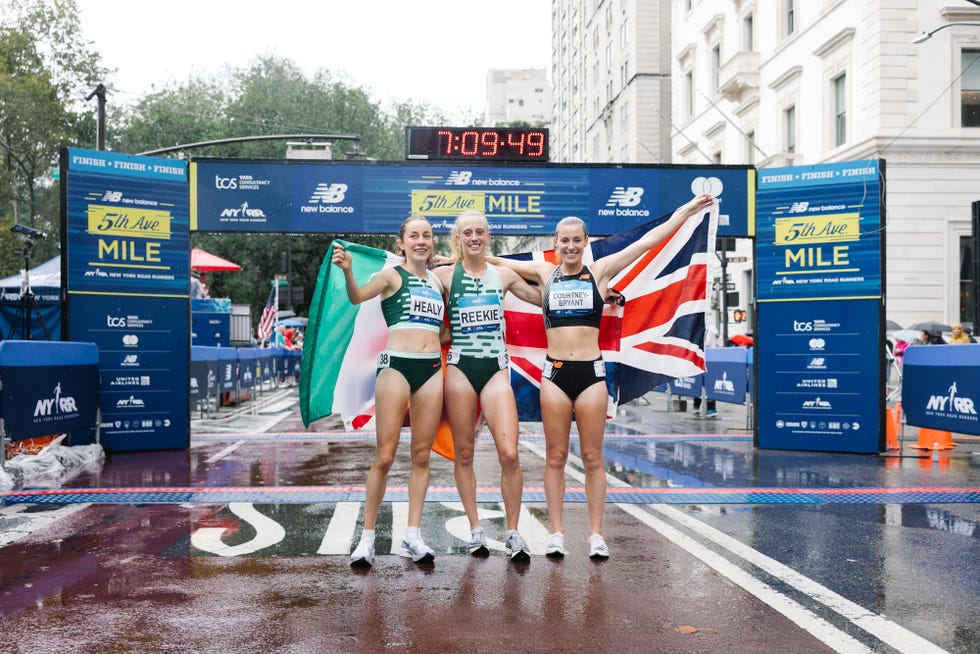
571,220
454,232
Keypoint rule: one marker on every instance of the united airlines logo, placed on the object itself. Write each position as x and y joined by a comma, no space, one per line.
459,178
628,196
951,405
57,406
327,193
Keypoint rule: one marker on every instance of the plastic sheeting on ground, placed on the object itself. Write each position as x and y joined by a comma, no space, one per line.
52,465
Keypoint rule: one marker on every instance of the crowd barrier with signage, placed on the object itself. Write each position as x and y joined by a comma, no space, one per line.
941,387
728,377
228,372
47,387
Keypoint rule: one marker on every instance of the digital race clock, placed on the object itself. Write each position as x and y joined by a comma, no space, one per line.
477,143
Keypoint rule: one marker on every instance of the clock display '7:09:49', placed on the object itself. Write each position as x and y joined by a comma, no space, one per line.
476,143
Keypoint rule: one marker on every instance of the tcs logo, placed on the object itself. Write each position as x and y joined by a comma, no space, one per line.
799,326
115,321
225,183
628,196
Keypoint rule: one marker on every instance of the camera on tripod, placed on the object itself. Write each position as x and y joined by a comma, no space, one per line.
28,232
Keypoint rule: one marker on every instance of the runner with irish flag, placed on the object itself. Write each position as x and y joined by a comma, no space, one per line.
409,368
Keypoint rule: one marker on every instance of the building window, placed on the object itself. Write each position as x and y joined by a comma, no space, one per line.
789,121
970,88
715,66
750,151
966,280
840,109
716,157
608,57
688,94
790,16
624,34
624,74
748,33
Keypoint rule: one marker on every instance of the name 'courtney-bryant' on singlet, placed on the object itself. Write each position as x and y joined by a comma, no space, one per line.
416,305
572,300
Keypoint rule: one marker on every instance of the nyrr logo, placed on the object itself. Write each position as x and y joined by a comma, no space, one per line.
816,404
328,193
951,404
628,196
225,183
243,212
130,403
55,406
724,385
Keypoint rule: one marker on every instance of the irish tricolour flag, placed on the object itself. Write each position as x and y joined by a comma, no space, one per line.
342,342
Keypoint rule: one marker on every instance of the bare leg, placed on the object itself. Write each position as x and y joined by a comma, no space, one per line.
556,417
426,411
590,417
500,411
461,408
391,393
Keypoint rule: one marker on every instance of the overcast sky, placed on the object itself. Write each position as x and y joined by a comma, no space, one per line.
428,50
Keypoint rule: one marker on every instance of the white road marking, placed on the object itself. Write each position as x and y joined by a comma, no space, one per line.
268,532
223,453
881,628
16,524
340,532
399,521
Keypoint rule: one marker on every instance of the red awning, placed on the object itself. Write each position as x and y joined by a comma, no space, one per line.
207,262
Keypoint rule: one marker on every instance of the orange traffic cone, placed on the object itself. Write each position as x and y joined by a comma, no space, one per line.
891,430
934,439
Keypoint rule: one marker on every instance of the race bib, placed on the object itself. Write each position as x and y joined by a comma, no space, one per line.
425,306
452,356
572,297
479,313
384,359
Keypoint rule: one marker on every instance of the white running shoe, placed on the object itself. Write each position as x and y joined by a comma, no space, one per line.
417,550
363,555
598,550
519,551
556,546
478,543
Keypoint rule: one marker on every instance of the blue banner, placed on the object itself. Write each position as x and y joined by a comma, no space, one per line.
255,196
941,387
727,373
819,232
687,386
818,390
126,238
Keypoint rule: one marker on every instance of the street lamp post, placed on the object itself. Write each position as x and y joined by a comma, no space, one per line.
925,36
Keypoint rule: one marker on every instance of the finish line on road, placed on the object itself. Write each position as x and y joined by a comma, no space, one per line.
324,494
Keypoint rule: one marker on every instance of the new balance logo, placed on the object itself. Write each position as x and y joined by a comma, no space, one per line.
459,178
628,196
328,193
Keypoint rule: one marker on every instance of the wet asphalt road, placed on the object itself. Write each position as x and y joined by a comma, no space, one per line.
838,554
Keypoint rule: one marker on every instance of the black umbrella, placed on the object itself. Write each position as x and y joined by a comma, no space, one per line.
891,325
931,326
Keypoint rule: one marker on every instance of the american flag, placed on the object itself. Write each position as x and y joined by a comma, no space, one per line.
656,335
268,319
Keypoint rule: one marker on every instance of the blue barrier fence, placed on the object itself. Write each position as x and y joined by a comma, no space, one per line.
728,377
225,370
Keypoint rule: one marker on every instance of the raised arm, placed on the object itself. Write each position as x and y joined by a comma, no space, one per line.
535,271
610,265
374,286
514,283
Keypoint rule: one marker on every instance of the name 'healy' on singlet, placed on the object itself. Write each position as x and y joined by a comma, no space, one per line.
476,313
572,300
416,305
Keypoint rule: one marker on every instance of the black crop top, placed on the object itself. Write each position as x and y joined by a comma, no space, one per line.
572,300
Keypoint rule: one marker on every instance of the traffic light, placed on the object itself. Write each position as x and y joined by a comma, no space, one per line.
739,315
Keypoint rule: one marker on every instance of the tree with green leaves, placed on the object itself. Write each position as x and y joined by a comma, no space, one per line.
46,70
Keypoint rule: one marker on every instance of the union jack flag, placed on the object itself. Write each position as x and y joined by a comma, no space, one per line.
654,335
